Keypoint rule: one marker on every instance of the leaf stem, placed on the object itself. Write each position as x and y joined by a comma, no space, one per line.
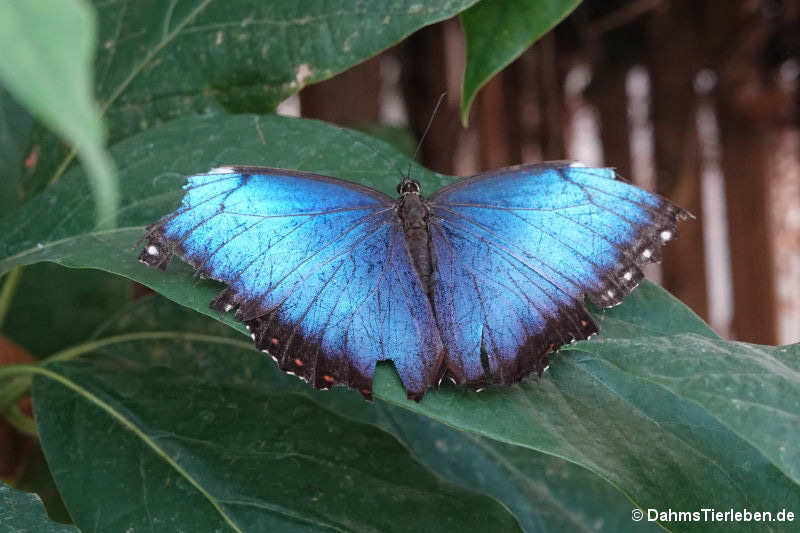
21,422
14,390
21,381
7,293
90,346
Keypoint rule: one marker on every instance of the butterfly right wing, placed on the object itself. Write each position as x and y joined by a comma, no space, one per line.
517,251
316,267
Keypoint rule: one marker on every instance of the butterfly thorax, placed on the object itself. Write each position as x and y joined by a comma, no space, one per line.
413,216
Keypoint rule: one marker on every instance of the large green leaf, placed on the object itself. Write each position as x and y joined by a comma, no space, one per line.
23,512
159,60
498,31
46,64
659,448
545,493
140,438
754,390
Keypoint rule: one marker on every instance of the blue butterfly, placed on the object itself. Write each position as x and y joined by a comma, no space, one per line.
481,281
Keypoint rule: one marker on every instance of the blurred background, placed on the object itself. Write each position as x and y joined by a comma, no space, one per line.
694,99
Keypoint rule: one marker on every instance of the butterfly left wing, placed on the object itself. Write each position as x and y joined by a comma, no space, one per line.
518,249
316,267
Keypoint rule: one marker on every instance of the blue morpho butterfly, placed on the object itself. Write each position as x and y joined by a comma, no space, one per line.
480,281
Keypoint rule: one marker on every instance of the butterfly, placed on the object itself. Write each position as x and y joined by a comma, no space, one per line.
480,282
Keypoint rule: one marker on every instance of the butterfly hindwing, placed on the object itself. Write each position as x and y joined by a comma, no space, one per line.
316,267
518,249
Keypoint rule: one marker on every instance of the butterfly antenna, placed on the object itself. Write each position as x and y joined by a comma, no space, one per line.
368,145
425,133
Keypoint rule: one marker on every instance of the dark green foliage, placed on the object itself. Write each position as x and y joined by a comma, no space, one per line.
153,416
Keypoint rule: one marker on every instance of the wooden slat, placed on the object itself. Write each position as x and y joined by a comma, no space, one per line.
675,55
349,99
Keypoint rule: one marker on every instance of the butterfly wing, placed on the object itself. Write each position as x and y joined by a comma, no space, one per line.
518,249
316,267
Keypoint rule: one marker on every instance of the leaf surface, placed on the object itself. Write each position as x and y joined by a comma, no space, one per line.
171,450
23,512
497,32
46,64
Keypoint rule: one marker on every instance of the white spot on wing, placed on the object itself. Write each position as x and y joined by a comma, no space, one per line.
666,235
221,170
228,307
647,254
152,250
628,276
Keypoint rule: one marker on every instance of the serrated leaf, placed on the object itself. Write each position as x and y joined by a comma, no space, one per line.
23,512
497,32
46,64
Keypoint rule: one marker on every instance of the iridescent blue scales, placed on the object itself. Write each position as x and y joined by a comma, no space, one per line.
480,282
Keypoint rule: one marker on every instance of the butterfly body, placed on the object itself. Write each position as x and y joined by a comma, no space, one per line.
413,214
481,281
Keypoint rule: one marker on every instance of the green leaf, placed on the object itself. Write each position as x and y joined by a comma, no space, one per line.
545,493
754,390
568,498
650,310
69,303
136,443
46,65
16,126
159,60
23,512
497,32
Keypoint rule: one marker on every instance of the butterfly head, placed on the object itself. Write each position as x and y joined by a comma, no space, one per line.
408,186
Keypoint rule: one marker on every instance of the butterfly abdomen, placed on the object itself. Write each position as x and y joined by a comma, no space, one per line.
413,215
